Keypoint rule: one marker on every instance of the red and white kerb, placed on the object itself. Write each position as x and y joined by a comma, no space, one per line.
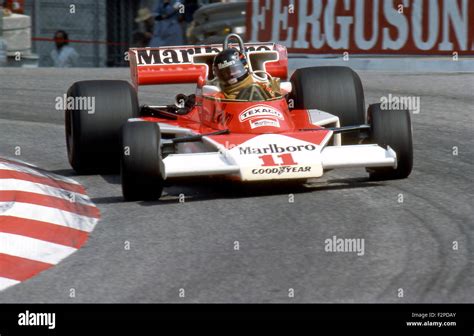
44,218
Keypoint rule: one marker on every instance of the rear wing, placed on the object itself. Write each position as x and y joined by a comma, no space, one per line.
192,64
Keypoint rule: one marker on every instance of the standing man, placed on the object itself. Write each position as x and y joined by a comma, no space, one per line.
168,30
147,20
63,55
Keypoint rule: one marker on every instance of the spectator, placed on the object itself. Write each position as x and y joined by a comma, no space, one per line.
6,11
140,40
144,36
168,30
63,55
14,6
190,6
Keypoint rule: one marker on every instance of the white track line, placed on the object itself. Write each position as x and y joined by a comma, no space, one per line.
38,188
47,214
5,283
33,249
23,169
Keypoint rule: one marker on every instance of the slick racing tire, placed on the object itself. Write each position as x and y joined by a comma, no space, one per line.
392,128
93,127
141,162
333,89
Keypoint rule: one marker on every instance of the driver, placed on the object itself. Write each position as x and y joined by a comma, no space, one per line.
232,71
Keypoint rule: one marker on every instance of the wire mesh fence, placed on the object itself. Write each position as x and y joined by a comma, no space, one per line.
84,21
100,31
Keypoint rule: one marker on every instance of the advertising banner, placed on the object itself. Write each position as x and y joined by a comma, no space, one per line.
403,27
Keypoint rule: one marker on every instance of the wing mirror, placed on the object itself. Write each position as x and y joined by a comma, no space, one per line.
209,90
285,87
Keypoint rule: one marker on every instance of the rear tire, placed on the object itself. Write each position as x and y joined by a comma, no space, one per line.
93,139
142,167
392,128
336,90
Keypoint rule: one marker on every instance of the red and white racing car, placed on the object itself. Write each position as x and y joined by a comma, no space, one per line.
318,122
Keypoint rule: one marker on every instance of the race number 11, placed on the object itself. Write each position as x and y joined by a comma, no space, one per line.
269,161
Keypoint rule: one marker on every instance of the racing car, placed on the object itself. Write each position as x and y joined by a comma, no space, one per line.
316,123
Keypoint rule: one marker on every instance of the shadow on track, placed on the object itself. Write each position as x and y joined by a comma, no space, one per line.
211,188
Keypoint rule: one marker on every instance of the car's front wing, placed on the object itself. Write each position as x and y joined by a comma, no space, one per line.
276,156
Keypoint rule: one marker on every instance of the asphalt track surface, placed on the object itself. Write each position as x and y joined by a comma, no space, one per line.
190,245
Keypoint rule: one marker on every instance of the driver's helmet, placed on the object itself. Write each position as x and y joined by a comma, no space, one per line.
230,67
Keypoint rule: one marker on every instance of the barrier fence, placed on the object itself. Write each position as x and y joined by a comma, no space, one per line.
101,31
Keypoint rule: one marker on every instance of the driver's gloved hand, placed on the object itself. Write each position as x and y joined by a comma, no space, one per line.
189,102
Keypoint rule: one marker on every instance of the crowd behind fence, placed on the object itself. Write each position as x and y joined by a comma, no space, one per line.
100,31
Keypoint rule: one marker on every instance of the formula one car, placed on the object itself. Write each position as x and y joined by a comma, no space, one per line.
316,122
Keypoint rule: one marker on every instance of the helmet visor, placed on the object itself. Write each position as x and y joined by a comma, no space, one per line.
232,72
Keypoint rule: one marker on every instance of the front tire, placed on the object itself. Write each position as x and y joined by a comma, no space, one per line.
142,166
93,136
333,89
392,128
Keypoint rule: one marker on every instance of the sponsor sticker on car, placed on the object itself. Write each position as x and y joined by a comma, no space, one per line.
264,123
184,55
260,111
275,148
272,156
281,170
